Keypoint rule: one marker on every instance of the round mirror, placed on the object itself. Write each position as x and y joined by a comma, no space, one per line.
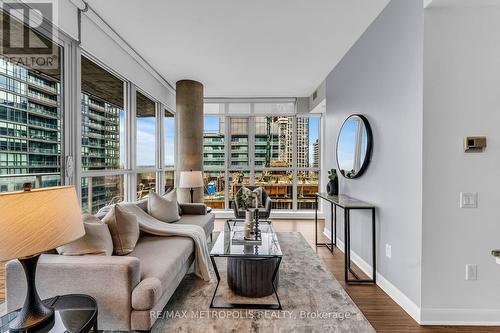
354,146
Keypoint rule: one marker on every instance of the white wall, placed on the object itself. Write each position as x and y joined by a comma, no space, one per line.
381,78
462,97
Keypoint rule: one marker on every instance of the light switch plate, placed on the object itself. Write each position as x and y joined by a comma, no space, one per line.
468,199
388,251
470,272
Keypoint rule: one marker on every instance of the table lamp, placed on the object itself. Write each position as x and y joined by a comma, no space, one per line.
191,179
33,222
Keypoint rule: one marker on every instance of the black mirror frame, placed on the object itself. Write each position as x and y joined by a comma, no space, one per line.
369,146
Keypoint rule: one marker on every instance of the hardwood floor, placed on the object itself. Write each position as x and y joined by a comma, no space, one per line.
2,281
382,312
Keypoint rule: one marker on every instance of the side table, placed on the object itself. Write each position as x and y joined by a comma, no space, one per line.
72,313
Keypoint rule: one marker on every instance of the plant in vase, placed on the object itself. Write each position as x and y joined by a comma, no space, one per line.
333,185
245,199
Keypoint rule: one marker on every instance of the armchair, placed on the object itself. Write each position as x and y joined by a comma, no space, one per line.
264,212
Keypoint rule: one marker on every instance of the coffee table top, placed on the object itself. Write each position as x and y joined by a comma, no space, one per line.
224,247
72,313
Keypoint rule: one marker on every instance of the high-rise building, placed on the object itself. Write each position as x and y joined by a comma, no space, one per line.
302,142
273,149
100,151
316,154
30,128
100,134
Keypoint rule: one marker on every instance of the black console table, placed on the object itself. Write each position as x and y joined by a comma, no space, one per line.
347,204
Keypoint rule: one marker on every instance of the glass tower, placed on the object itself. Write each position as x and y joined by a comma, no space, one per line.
30,128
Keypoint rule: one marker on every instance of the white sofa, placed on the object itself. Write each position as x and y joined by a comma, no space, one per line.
127,288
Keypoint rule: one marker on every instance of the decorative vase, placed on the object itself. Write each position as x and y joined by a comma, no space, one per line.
247,231
333,187
249,218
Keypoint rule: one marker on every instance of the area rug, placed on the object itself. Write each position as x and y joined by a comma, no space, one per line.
312,300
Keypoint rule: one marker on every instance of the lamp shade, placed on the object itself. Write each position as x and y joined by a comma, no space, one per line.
191,179
32,222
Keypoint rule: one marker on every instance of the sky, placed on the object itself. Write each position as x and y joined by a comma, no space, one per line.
347,143
146,140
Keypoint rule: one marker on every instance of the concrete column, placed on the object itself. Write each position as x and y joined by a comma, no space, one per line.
189,113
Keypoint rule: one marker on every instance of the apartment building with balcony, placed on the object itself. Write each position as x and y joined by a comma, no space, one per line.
30,127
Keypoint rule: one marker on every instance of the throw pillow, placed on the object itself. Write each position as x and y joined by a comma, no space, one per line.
251,195
172,194
164,208
124,229
97,240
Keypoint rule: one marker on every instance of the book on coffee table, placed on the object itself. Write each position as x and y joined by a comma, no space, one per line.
239,239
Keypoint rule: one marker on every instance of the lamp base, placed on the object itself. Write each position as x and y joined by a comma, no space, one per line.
34,314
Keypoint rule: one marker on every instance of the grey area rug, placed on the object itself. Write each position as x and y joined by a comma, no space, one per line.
312,300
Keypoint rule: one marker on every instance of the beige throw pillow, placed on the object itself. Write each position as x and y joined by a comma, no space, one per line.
97,240
124,229
164,208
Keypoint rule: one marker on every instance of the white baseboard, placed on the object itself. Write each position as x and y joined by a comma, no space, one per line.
426,316
397,295
466,317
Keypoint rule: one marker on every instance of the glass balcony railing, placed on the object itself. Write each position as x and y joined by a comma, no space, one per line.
42,124
44,150
42,111
10,183
41,97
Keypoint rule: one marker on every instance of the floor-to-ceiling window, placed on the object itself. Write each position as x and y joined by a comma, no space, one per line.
31,112
308,163
169,150
103,131
146,145
265,144
214,157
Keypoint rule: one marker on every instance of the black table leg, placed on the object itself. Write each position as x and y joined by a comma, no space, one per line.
331,226
329,245
316,220
335,223
374,247
357,279
247,305
346,246
218,280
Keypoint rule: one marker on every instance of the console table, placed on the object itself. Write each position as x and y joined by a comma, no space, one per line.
347,204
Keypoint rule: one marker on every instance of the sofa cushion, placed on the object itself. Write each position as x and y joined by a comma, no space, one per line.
96,241
124,229
204,221
163,208
161,258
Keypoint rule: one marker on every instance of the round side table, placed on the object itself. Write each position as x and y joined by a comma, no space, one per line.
72,313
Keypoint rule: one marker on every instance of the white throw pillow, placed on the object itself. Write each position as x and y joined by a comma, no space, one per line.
97,240
124,229
164,208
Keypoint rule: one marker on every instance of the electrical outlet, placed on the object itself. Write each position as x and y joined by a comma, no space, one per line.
468,199
470,272
388,251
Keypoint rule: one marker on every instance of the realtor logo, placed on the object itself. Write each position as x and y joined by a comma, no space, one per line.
28,31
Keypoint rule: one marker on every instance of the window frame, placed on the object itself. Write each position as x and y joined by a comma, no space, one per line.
228,168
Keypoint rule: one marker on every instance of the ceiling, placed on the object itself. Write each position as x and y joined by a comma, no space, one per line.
241,48
458,3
